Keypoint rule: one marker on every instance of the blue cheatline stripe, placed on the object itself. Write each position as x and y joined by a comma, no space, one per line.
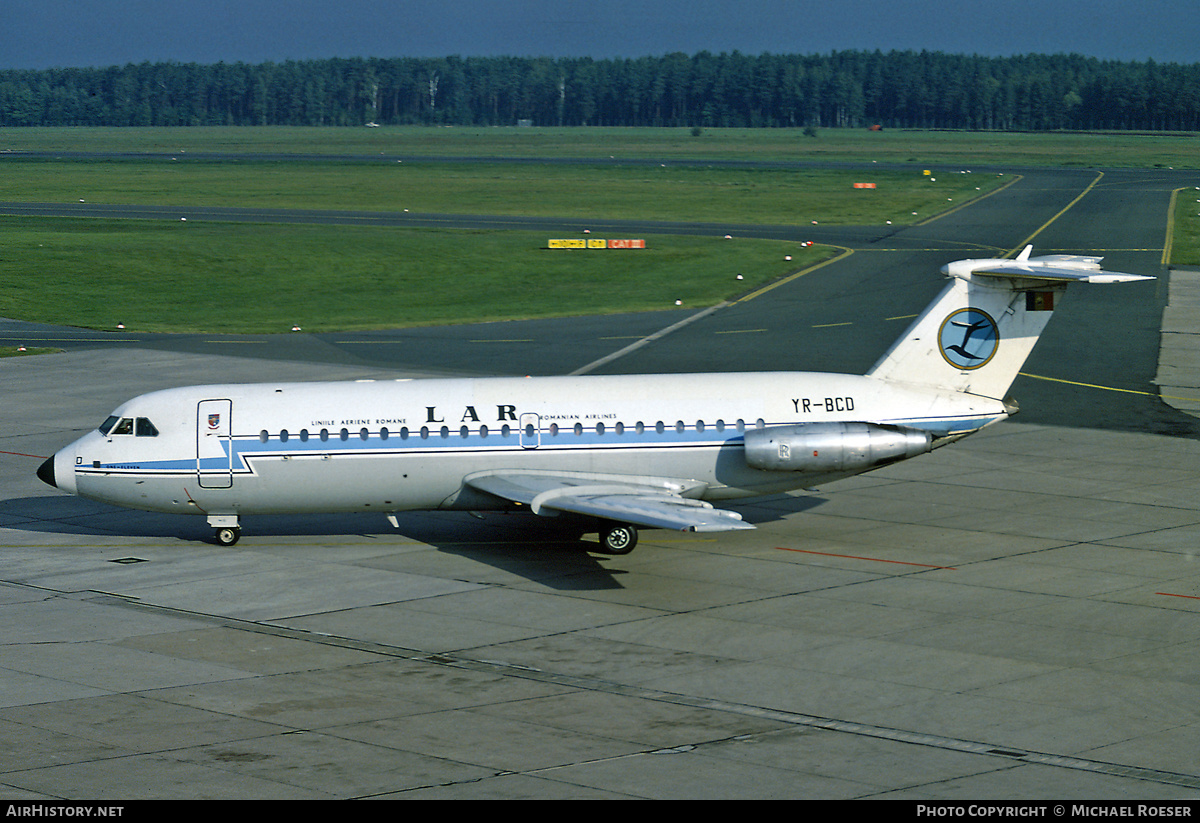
495,442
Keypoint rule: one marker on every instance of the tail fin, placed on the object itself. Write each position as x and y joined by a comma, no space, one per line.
975,336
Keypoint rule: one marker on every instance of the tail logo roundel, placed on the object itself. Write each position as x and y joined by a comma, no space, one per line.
968,338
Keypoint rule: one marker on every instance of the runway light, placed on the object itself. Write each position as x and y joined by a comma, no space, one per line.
739,277
295,328
678,302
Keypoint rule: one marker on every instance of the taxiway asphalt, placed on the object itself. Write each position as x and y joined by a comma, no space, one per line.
1014,617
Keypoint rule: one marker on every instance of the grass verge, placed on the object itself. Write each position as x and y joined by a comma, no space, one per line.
910,146
670,193
217,277
25,351
1185,229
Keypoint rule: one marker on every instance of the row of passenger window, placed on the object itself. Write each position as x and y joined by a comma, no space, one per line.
529,430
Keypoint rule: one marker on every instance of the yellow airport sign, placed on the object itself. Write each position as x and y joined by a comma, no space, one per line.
593,243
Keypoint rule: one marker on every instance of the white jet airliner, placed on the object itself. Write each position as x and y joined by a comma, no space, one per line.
622,452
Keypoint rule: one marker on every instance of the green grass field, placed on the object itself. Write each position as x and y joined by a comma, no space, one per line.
16,351
916,147
1185,229
266,278
226,277
672,193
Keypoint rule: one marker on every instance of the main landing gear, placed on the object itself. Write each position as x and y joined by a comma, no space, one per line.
618,538
615,538
227,531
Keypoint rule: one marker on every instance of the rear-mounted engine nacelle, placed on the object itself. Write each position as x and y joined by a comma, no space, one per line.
833,447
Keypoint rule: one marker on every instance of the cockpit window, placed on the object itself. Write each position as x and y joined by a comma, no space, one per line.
141,426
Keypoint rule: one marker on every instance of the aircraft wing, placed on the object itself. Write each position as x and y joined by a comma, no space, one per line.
643,501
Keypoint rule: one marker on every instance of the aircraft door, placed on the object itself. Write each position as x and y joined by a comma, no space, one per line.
531,434
214,444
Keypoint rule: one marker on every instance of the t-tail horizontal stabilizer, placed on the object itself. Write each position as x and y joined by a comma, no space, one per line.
1053,268
974,338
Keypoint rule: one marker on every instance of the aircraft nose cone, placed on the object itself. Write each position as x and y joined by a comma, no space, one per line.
45,472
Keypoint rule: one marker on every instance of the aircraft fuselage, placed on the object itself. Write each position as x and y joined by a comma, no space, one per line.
399,445
627,451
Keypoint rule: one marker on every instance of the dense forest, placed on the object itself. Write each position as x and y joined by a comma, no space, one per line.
841,89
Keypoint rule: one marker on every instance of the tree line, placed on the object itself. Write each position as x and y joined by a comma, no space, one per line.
899,89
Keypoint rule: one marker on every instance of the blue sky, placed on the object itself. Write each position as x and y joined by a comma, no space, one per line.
49,33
